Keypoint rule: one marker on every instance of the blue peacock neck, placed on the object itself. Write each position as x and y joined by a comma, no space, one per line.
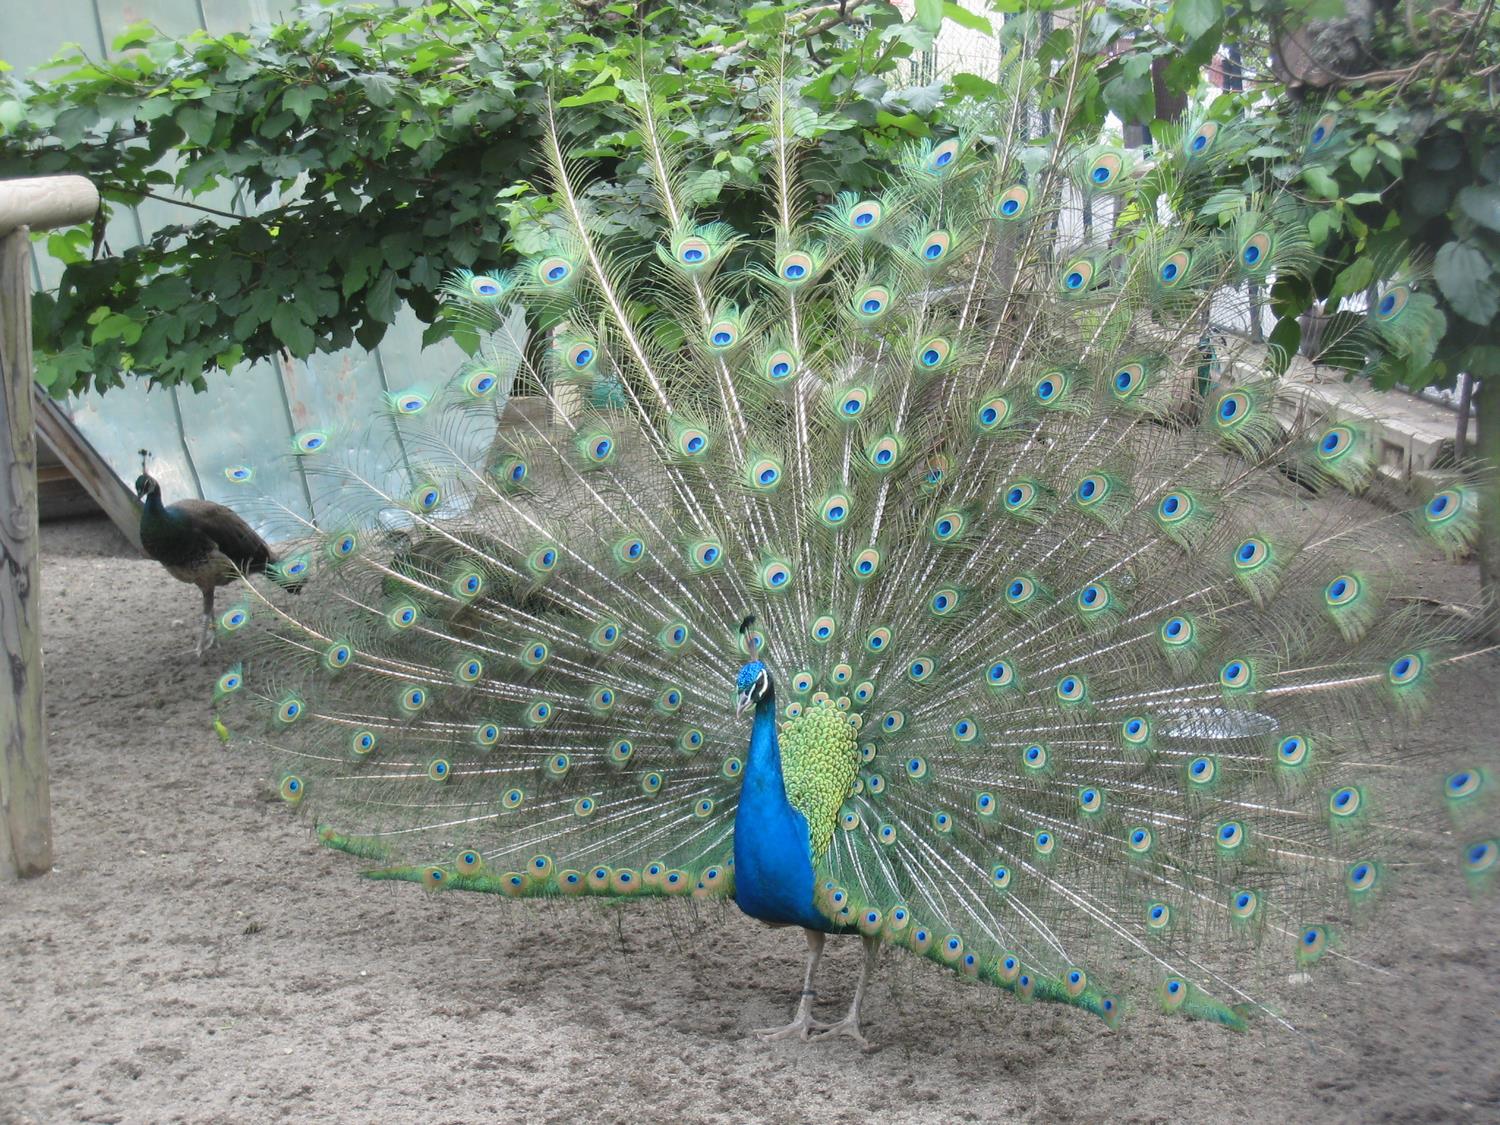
765,752
773,873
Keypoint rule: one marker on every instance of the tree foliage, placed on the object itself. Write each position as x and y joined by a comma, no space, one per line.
342,161
1411,180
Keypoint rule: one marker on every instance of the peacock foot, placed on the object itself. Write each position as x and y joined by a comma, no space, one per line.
206,639
800,1028
847,1027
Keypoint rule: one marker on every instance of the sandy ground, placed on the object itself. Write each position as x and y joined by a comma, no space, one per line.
196,957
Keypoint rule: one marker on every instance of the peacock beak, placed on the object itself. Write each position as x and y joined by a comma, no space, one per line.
741,703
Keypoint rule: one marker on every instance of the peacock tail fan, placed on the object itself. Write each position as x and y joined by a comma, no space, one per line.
1089,696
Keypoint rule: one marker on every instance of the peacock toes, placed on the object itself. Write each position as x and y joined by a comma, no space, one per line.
803,1024
1050,682
849,1025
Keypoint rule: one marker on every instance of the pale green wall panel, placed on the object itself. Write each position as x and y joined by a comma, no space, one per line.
174,17
27,40
248,419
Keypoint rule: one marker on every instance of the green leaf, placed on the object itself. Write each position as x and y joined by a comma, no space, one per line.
1428,196
1196,17
70,245
1362,160
1229,201
1361,197
1355,279
300,99
361,265
972,86
1483,361
166,293
1463,274
197,121
133,35
930,14
1131,95
704,187
591,97
1482,204
907,123
380,302
1322,184
286,324
117,326
1291,296
1285,339
1322,224
1489,164
965,18
437,331
924,100
380,89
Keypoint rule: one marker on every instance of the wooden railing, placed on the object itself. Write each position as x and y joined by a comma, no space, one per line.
25,807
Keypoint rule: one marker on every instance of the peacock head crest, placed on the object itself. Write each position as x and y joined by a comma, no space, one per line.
752,684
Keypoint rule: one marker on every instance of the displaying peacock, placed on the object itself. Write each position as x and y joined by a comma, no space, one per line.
900,586
204,544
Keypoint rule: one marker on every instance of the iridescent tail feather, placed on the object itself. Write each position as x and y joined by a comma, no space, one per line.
1127,697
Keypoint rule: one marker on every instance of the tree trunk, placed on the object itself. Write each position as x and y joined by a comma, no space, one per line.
1487,451
1465,406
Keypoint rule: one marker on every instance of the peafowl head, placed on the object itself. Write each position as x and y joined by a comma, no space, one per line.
753,684
145,484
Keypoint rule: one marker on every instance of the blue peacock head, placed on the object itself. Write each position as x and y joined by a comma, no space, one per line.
752,685
754,681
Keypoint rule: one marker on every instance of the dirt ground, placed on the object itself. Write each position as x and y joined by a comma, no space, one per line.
195,956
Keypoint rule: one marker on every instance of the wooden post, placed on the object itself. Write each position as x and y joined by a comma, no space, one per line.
25,808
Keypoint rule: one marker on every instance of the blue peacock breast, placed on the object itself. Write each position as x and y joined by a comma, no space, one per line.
773,862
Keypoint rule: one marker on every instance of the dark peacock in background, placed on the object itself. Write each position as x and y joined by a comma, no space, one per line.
896,593
204,544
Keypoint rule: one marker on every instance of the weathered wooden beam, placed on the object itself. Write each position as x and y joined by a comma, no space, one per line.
44,202
25,801
86,466
25,807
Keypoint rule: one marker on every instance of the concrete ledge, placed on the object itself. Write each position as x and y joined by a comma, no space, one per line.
1415,436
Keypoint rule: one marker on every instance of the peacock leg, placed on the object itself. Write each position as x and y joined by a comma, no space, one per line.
849,1025
802,1024
206,633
